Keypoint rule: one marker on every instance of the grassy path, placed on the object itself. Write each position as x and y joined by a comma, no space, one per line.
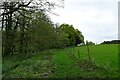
65,66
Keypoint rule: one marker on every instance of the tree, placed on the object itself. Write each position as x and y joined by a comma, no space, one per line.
79,37
90,43
74,35
61,38
10,12
43,33
69,29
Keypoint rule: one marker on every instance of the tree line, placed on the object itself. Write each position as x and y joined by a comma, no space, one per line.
28,29
111,42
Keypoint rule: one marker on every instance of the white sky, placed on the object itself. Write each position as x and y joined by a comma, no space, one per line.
96,19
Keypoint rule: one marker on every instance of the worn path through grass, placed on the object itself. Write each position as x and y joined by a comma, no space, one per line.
65,66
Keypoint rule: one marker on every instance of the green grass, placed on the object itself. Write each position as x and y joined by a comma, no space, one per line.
65,63
105,55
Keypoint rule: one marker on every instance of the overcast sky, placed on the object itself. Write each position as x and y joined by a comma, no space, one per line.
96,19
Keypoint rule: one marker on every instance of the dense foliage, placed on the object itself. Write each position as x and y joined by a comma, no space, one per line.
27,31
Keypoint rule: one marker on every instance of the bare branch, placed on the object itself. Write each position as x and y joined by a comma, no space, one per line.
24,15
15,9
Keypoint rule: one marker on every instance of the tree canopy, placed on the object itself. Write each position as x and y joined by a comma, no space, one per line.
28,29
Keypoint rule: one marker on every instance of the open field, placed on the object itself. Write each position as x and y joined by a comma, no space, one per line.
68,62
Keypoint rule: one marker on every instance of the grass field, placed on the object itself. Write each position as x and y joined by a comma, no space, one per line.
68,62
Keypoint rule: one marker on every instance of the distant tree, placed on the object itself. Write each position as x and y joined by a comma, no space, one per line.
74,35
111,42
69,29
60,38
90,43
79,37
